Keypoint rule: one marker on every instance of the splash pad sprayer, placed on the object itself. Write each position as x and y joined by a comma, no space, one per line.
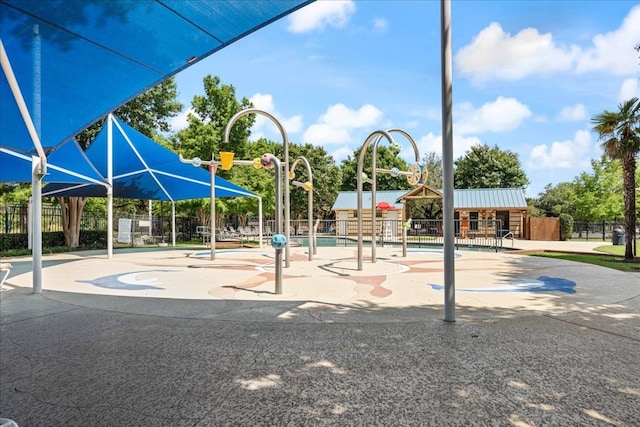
308,187
280,172
416,175
226,162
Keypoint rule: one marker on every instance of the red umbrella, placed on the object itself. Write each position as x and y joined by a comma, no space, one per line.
385,206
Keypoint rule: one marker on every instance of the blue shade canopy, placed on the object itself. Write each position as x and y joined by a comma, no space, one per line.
67,163
143,169
75,61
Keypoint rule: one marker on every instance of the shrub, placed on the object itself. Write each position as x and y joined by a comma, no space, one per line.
566,226
18,243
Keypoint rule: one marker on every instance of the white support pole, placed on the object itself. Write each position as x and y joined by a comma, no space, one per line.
260,222
151,221
212,232
173,223
36,250
109,222
110,188
30,222
39,168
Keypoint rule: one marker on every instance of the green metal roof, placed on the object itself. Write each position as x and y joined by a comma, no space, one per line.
509,198
487,198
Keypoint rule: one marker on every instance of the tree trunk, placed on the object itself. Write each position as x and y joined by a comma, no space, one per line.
71,208
628,172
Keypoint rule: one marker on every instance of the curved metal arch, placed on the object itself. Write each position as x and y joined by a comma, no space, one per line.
311,235
375,134
285,165
374,170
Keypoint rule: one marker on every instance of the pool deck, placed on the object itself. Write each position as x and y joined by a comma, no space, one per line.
170,337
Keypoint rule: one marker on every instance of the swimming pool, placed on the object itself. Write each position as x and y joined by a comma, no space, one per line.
334,242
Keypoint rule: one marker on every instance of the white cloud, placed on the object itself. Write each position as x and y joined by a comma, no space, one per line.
263,102
573,153
264,126
501,115
494,54
630,88
461,144
320,14
380,25
573,113
341,153
430,142
180,121
337,124
613,52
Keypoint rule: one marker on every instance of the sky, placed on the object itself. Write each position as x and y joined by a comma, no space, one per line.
528,76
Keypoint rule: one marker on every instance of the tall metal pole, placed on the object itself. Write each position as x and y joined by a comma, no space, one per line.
285,166
278,187
39,167
110,187
213,165
36,248
309,190
447,162
374,195
173,223
212,231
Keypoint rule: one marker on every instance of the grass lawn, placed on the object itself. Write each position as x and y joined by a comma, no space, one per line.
612,257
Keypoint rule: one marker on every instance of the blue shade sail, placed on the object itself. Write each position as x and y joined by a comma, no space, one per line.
67,163
75,61
143,169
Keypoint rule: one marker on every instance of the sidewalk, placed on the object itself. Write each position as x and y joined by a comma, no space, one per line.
173,338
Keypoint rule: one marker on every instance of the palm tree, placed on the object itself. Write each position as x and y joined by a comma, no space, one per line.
620,136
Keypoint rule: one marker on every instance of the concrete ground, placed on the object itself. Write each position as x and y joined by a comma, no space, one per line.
170,337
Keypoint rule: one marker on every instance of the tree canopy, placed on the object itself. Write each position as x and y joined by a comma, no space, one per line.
489,167
385,159
149,113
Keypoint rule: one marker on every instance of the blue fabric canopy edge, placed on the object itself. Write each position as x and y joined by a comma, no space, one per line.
66,163
69,57
143,169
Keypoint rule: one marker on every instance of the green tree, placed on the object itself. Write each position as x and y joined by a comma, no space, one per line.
489,167
149,113
327,177
557,199
211,114
203,138
433,162
619,132
386,159
597,194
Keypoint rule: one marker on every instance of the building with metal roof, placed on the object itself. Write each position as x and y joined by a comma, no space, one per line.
475,210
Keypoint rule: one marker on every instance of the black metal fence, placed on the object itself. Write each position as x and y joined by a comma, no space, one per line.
598,230
14,219
421,232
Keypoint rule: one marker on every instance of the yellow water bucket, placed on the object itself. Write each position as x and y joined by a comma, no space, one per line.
226,160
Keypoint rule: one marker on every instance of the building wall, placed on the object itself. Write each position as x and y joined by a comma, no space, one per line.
486,220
